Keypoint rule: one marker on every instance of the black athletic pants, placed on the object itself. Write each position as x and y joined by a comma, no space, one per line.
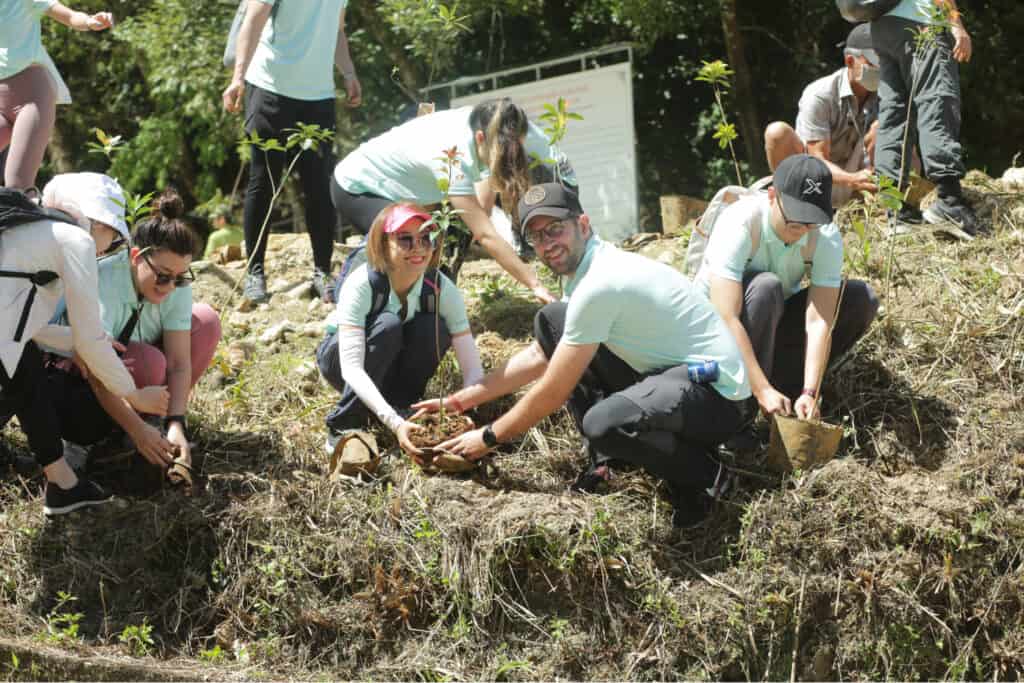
357,210
662,422
29,396
270,115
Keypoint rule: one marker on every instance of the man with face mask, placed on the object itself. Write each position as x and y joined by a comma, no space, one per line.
837,121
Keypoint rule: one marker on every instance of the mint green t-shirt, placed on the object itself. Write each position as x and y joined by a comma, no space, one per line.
356,298
295,53
21,43
118,300
728,256
915,10
649,315
403,162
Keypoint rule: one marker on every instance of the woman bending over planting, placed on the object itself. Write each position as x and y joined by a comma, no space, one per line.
396,317
145,298
491,145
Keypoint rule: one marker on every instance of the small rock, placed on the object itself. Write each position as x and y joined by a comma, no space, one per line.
300,291
316,304
308,371
277,332
280,285
245,305
314,329
239,352
216,379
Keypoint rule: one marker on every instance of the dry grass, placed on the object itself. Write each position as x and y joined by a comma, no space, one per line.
901,559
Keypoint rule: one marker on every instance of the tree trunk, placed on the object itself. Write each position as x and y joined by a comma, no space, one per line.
743,91
60,155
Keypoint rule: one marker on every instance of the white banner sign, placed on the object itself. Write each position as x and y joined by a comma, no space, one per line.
601,147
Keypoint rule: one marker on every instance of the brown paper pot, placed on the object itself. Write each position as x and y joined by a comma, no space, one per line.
355,454
801,444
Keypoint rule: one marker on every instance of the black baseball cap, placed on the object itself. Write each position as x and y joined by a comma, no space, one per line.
804,186
859,38
549,199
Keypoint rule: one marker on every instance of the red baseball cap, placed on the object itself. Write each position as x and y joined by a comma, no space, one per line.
401,214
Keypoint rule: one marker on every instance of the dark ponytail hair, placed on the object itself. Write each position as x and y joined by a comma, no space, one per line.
164,229
504,124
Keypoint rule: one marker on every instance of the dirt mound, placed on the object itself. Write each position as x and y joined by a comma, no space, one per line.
901,559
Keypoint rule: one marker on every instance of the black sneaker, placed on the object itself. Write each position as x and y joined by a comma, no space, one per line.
904,221
60,502
592,479
690,506
255,289
953,209
745,443
323,286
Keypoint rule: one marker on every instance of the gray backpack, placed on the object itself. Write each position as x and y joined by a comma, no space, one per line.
236,26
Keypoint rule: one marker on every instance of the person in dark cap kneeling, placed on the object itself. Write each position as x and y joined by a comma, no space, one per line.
761,249
618,349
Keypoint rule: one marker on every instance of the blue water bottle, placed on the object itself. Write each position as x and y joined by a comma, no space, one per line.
703,372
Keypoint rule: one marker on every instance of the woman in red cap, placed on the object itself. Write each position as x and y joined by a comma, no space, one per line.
384,340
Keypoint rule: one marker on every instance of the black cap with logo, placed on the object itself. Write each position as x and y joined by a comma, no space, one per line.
804,185
549,199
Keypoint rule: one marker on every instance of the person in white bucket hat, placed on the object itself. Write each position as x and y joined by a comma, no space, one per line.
96,201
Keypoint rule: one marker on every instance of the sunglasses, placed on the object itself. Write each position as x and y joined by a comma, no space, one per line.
162,278
551,231
115,245
794,226
407,241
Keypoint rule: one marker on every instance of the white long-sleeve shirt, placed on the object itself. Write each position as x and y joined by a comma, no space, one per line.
70,252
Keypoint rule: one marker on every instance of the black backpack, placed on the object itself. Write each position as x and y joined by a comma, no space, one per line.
859,11
381,287
17,209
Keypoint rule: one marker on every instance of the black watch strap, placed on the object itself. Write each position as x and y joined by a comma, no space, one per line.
490,440
180,419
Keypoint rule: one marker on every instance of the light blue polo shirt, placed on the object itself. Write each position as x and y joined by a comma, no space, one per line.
649,315
21,43
356,299
728,256
915,10
118,300
403,162
295,53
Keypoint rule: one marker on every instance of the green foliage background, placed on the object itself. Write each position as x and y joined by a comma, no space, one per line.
157,78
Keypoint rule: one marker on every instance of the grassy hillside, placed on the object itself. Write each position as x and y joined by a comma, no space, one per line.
901,559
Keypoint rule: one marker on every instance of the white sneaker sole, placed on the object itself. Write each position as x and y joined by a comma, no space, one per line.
53,512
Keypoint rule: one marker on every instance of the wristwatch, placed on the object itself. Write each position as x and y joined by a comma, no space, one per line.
180,419
490,440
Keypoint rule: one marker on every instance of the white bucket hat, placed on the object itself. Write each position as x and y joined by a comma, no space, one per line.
88,196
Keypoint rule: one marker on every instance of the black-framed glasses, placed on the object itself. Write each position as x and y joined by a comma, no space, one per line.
792,225
551,231
115,245
407,241
162,278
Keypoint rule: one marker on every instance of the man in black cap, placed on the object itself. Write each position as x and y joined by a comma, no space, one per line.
760,250
837,121
618,350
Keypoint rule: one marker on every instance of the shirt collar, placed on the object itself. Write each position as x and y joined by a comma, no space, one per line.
122,268
588,256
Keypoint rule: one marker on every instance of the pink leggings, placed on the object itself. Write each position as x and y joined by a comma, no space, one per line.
28,108
148,365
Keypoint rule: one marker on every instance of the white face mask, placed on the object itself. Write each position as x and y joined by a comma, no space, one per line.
869,77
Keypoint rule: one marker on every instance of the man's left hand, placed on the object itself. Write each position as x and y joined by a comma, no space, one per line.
470,445
806,407
353,92
962,48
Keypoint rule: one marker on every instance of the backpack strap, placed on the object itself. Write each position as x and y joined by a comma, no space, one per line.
381,289
808,251
430,291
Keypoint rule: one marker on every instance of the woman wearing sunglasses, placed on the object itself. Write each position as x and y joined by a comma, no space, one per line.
492,147
382,347
146,302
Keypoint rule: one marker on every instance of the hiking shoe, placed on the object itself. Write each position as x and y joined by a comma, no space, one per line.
723,484
904,221
334,438
60,502
255,289
690,506
591,479
745,443
953,209
323,286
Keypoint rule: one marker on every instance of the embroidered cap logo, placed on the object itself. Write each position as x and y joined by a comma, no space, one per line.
812,186
535,195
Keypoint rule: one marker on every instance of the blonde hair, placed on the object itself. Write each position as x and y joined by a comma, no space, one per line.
377,253
504,124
